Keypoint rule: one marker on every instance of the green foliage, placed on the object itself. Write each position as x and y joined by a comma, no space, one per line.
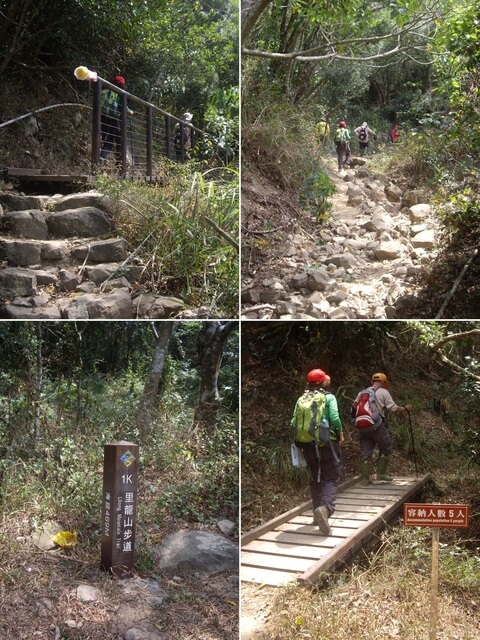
314,197
184,254
221,121
148,42
211,489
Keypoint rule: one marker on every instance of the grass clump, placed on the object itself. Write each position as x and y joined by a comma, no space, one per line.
184,235
388,598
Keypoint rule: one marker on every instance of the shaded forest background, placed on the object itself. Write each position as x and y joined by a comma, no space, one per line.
67,389
178,55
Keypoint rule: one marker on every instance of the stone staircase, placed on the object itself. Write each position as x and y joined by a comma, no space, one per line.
61,258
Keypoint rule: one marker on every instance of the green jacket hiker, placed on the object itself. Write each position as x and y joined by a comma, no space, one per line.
342,144
315,413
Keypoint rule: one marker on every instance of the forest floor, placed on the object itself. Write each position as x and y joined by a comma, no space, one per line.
39,597
271,215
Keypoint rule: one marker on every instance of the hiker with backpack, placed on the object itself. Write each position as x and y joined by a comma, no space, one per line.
394,135
370,417
111,120
180,131
322,131
318,432
342,145
363,134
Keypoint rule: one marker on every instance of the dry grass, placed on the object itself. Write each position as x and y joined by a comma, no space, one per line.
38,596
388,599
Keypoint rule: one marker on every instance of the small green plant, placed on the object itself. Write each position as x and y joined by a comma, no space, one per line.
314,197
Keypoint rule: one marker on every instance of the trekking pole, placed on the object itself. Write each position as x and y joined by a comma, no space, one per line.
413,441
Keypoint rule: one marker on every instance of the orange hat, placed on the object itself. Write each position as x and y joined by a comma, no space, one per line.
380,377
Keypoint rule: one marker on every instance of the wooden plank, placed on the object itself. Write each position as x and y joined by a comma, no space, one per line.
342,548
285,549
272,524
279,549
266,576
337,515
299,538
310,530
275,562
284,517
18,171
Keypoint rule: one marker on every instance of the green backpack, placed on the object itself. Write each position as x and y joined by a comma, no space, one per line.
307,423
340,135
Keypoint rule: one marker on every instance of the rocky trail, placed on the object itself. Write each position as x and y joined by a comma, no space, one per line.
62,257
365,262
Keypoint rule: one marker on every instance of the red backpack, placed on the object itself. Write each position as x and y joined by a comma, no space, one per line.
365,415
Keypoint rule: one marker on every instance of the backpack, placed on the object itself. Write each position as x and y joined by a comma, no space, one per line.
362,134
178,136
111,104
309,422
365,415
341,135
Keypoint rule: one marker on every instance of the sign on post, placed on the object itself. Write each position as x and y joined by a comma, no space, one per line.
435,516
120,484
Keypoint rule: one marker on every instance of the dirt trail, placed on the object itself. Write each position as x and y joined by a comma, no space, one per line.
366,261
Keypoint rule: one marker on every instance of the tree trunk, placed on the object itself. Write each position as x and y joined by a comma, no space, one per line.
38,383
215,336
150,391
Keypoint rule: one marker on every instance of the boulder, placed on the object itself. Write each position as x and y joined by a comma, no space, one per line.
388,250
319,280
81,200
418,212
189,552
86,222
18,282
18,202
26,224
53,251
148,305
424,240
111,250
393,193
13,312
20,253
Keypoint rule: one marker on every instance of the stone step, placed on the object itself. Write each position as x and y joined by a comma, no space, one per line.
60,258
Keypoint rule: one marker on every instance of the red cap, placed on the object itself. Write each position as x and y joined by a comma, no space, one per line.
317,376
119,80
342,123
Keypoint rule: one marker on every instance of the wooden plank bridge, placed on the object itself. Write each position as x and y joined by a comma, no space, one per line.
290,547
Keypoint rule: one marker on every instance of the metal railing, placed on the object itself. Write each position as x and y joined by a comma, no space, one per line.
141,137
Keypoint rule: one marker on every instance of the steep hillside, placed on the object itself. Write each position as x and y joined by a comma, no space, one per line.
56,141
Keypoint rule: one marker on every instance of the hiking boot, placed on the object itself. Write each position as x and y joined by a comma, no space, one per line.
320,517
365,473
382,465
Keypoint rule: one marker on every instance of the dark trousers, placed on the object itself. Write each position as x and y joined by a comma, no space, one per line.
343,154
110,128
380,438
324,474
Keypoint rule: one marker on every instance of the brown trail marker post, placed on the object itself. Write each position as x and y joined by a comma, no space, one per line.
120,488
435,516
